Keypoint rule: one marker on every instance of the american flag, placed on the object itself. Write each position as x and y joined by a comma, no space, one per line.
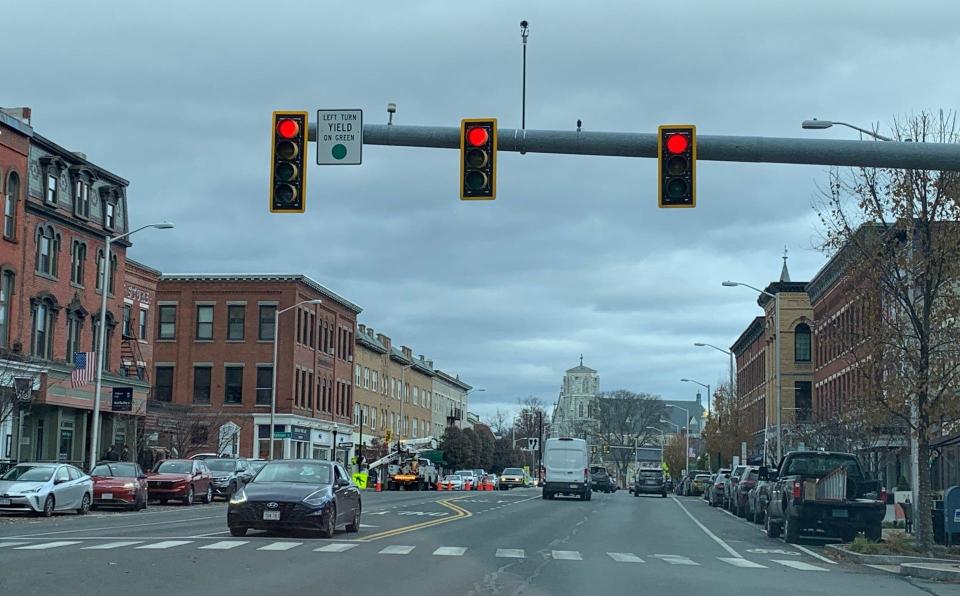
83,365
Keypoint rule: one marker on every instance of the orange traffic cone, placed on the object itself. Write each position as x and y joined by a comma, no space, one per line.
377,488
439,485
467,485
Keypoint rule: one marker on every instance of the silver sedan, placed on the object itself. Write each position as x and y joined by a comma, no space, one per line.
44,488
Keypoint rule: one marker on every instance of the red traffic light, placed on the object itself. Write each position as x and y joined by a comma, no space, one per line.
677,143
477,136
288,128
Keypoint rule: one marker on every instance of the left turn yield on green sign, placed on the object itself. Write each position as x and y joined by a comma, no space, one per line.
339,137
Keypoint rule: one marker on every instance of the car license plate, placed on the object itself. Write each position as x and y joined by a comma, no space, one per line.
840,513
271,516
573,486
106,496
4,501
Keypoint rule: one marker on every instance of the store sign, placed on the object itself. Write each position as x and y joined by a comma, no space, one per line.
139,295
299,433
122,399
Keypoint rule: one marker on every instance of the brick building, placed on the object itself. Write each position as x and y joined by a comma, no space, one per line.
213,363
750,351
449,401
60,208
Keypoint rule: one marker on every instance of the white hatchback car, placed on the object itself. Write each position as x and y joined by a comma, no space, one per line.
44,488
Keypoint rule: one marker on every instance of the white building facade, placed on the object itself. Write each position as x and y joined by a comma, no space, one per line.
449,402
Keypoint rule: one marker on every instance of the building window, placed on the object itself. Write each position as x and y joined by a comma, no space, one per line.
163,384
142,332
48,246
42,329
81,198
6,291
109,215
106,344
99,280
235,320
366,378
205,322
233,385
264,385
10,206
113,272
267,322
801,342
201,384
127,314
356,374
52,184
168,322
804,393
78,260
73,337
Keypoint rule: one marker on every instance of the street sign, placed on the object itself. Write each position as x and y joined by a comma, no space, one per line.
281,434
122,399
339,137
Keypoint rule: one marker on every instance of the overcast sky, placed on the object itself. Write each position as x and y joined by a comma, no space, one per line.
573,257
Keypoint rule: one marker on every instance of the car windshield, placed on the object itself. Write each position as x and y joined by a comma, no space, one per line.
651,473
820,464
702,477
454,477
465,472
221,465
513,472
300,473
29,473
118,470
174,467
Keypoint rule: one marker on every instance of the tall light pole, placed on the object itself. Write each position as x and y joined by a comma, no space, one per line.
686,457
776,299
705,386
273,389
102,330
821,124
733,387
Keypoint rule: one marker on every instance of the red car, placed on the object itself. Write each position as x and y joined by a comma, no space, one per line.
119,483
180,479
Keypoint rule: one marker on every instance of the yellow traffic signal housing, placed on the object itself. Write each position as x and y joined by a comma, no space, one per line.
478,159
677,165
288,165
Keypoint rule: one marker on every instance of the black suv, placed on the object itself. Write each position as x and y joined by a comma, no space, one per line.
650,480
229,476
600,479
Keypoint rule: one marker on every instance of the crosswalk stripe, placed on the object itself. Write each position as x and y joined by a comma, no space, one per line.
799,565
397,549
164,544
625,558
336,547
677,560
224,545
451,551
510,553
740,562
3,544
280,546
110,545
46,545
566,555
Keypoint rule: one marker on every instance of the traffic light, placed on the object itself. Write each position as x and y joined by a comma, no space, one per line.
677,157
593,449
606,448
478,159
288,172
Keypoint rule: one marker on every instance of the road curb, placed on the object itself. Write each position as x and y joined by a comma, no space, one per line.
938,571
886,559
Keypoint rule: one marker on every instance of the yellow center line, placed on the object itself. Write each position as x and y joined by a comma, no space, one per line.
461,513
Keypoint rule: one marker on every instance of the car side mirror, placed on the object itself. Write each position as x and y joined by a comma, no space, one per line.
142,477
341,482
59,480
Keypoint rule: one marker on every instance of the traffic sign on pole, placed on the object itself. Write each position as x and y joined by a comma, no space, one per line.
339,137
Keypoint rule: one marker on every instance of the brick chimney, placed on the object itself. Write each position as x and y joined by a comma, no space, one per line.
362,328
407,351
385,341
22,114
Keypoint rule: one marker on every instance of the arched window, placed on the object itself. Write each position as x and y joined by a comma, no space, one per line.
99,281
44,308
580,410
48,247
113,271
78,262
10,206
6,294
801,343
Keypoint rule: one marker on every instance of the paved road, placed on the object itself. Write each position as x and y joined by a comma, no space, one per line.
444,543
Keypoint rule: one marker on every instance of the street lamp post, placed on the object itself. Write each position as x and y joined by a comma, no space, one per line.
821,124
776,299
705,386
102,330
733,387
686,455
273,389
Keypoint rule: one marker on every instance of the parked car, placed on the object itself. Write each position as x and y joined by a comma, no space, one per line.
741,492
205,456
600,479
468,476
716,488
730,486
698,486
296,494
650,481
454,481
480,474
119,483
45,488
255,465
512,477
228,476
181,479
758,498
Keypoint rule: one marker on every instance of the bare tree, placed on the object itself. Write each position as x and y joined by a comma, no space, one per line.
674,454
898,235
185,430
725,430
500,422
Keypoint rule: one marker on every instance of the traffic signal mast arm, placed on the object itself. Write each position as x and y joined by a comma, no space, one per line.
827,152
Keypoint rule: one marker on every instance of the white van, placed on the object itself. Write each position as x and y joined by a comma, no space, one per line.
568,471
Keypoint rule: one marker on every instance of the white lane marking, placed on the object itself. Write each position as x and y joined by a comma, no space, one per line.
566,555
110,545
799,565
397,549
280,546
742,563
171,522
336,547
451,551
813,554
715,538
366,526
3,544
46,545
625,558
164,544
511,553
677,560
224,545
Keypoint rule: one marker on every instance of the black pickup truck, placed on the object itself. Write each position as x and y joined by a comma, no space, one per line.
825,493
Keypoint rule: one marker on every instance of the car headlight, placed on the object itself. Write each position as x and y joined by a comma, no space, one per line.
238,497
318,498
129,486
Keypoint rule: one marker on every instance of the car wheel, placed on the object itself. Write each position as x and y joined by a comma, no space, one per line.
142,504
791,528
208,497
330,524
238,531
773,530
663,495
163,501
48,506
188,500
874,533
636,494
588,496
756,515
354,526
84,504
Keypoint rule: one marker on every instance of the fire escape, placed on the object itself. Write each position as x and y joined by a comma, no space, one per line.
131,359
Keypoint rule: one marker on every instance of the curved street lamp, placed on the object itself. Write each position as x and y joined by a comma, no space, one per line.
816,124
